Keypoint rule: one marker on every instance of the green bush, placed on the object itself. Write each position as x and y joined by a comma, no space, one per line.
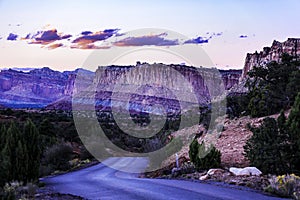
203,158
57,157
293,130
18,190
265,148
275,146
237,105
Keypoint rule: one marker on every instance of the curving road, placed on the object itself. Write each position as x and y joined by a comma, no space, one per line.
102,182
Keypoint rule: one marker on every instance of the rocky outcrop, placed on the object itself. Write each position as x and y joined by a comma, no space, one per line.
273,53
247,171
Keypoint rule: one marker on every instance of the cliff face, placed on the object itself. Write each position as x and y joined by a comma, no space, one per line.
230,77
273,53
199,78
151,84
41,87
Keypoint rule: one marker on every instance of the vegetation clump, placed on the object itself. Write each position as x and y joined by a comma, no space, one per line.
271,88
275,146
285,186
204,158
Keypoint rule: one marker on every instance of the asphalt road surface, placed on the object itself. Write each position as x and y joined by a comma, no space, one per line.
102,182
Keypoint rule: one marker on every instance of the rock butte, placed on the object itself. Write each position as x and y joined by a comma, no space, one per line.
273,53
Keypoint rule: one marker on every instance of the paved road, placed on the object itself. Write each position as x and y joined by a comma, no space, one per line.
102,182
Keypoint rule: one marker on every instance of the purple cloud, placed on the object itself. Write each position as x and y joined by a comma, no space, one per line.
88,38
201,40
46,37
243,36
156,40
198,40
86,32
97,36
51,39
12,37
111,31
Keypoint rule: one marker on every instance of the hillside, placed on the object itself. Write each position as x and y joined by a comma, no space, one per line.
230,142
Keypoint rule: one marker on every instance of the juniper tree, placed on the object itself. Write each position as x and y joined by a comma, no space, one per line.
275,146
31,139
273,87
3,132
293,124
4,167
202,157
9,151
263,149
22,162
47,134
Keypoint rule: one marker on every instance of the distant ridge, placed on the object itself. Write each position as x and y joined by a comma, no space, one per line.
35,88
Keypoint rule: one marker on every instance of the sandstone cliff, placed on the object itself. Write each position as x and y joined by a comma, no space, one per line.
41,87
171,76
273,53
154,84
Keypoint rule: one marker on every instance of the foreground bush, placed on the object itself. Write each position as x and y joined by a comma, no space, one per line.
275,146
204,158
285,186
57,157
18,190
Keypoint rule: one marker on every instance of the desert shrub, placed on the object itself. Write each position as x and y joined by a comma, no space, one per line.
204,158
293,130
12,190
265,148
275,146
58,156
237,105
45,170
85,154
18,190
187,168
285,186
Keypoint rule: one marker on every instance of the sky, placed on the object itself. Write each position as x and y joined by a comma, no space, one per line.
65,35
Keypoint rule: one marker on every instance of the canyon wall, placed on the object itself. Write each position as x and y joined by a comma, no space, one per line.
41,87
199,78
36,88
273,53
157,84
